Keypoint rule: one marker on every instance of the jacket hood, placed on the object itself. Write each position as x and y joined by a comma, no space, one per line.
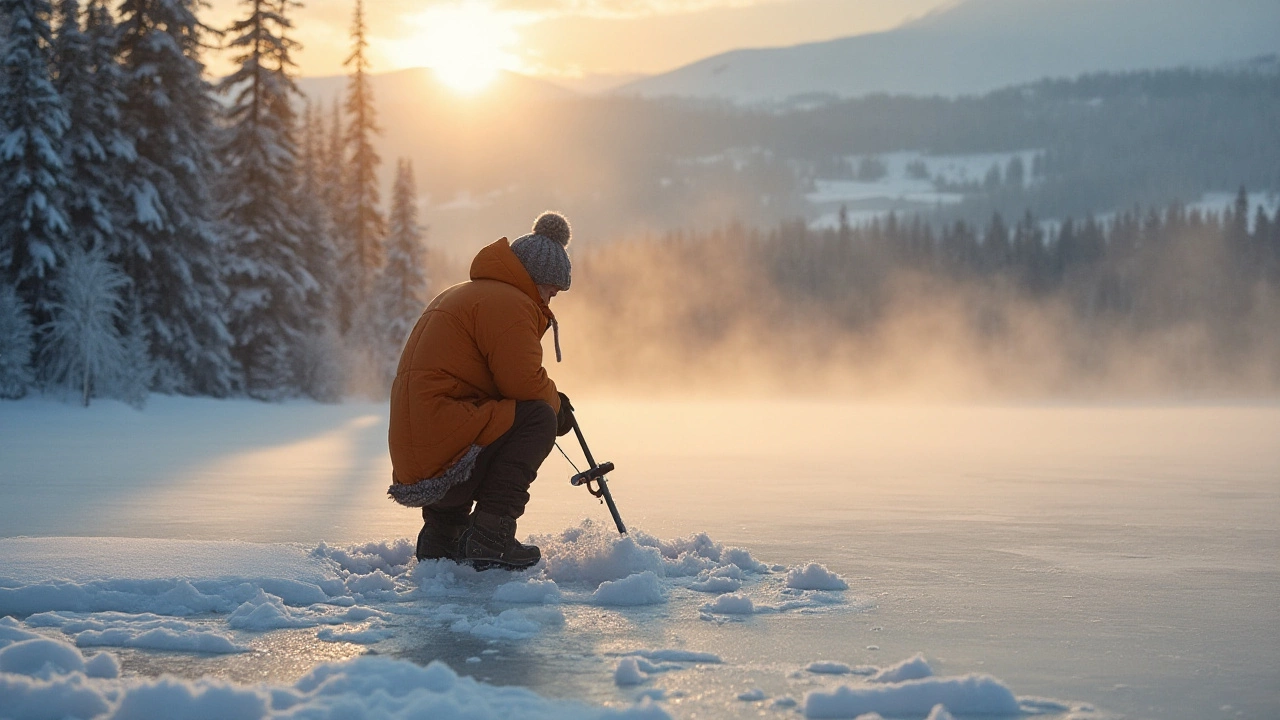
496,261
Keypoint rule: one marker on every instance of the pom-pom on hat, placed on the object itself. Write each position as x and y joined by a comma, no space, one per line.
542,252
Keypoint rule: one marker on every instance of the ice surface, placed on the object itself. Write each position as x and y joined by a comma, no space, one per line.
45,678
938,521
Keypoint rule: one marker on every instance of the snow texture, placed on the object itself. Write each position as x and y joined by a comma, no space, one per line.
41,677
913,668
730,604
641,588
967,695
814,577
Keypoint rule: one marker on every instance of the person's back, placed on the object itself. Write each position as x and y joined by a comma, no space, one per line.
473,413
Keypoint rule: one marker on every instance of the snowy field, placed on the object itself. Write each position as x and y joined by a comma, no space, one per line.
902,191
235,560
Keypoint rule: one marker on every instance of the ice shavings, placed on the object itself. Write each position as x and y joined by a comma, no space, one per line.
266,612
143,630
641,588
913,668
814,577
593,553
730,604
629,673
528,591
42,677
967,695
939,712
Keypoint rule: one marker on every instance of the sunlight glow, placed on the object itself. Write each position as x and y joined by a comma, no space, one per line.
467,44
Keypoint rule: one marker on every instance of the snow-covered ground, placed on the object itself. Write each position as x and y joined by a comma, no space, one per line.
236,559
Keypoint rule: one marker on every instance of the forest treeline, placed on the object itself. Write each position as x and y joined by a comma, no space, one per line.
159,233
1104,142
1152,302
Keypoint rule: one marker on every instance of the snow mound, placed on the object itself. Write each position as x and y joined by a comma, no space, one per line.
629,673
967,695
730,604
939,712
752,695
41,677
814,577
594,553
528,591
823,667
913,668
641,588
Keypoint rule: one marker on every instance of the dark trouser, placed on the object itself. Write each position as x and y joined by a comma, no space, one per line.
499,484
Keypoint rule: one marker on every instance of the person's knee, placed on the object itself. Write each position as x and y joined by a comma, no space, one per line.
538,416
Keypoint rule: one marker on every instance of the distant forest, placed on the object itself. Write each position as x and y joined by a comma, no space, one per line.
1104,143
1158,302
1109,141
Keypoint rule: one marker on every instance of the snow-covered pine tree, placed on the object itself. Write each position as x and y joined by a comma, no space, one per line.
362,226
33,226
95,151
398,293
320,369
265,269
16,344
171,243
403,286
83,349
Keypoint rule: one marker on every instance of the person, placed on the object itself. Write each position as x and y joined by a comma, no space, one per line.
473,412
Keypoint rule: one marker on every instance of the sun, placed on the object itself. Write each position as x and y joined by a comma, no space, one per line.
467,44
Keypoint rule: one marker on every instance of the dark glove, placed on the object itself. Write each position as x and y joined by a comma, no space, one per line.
564,419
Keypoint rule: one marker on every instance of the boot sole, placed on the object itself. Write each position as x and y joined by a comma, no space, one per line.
488,564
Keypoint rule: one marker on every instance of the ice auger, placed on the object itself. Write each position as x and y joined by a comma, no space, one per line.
594,476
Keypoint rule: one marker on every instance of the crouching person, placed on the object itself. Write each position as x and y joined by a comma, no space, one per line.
473,412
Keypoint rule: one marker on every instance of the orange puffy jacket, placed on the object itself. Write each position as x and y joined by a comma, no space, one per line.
476,350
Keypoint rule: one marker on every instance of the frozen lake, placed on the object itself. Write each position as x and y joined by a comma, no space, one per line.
1121,560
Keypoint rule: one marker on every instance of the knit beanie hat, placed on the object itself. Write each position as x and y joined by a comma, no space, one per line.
543,253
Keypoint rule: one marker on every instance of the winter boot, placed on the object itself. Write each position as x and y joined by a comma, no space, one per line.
490,541
438,540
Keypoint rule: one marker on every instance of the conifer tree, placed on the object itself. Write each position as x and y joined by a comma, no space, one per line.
319,368
33,225
403,284
172,247
94,148
16,344
83,348
362,225
266,273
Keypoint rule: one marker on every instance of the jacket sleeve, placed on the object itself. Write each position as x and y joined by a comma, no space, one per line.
514,355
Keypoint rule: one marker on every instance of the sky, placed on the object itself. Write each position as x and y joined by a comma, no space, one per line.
566,38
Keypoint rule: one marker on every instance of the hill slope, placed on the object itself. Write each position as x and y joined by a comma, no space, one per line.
980,45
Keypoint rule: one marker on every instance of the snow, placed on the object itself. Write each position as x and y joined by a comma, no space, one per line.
730,604
639,589
274,581
967,695
938,181
814,576
913,668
